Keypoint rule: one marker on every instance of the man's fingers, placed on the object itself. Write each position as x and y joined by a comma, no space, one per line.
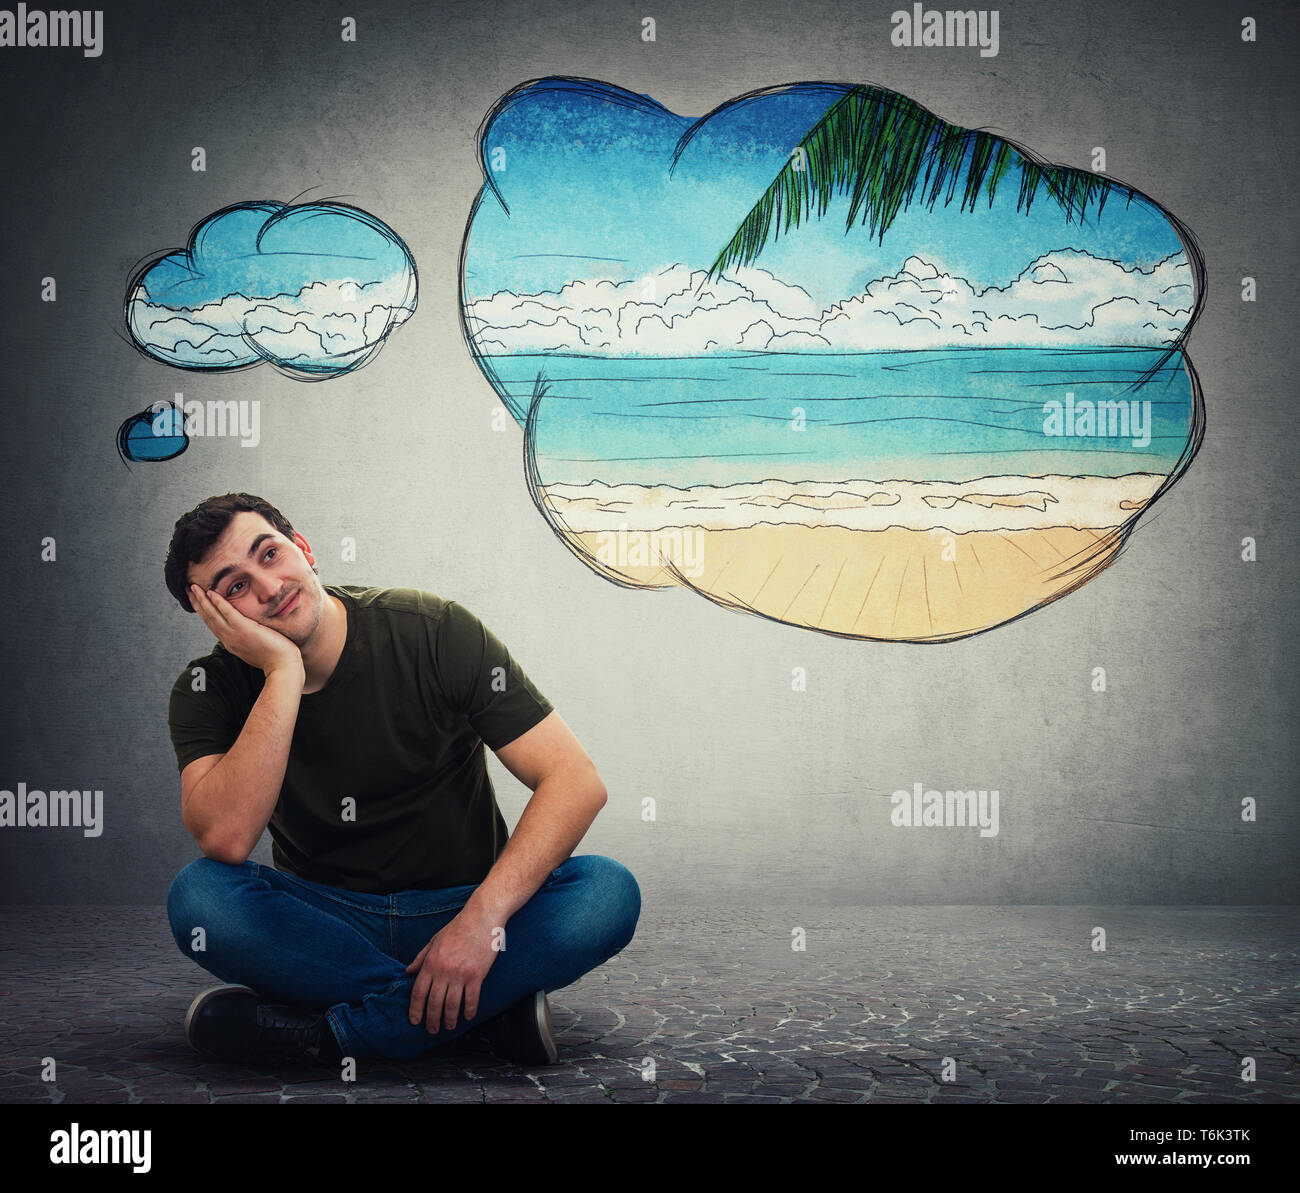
223,608
471,1000
418,992
433,1015
206,608
423,979
452,1011
419,958
203,607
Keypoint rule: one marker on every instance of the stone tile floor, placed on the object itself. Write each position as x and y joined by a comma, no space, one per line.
711,1004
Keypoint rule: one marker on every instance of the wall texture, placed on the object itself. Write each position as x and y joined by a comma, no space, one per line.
1128,796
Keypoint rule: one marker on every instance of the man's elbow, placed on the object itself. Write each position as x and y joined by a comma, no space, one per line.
232,857
579,781
599,793
224,849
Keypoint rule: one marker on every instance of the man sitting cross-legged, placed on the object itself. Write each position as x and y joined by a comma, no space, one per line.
350,721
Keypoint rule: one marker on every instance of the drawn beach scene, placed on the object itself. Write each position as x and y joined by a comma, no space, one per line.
823,357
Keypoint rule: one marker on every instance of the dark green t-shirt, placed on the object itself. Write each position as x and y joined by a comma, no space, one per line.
399,728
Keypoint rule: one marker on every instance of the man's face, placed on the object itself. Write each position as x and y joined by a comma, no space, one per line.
265,576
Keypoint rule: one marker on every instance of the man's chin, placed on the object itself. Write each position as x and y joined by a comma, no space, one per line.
299,635
296,636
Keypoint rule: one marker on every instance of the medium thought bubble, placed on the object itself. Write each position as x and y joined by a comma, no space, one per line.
314,289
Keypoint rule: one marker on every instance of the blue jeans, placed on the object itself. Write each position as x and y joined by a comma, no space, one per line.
345,952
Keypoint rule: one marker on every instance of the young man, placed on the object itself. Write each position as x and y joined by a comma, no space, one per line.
351,722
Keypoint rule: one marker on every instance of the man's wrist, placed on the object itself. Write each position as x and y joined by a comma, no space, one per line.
294,669
486,910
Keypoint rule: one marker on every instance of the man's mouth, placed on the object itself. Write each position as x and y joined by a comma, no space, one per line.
289,604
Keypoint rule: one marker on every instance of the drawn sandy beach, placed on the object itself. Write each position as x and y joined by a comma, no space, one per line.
900,560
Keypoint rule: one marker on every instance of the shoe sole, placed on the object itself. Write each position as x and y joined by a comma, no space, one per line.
545,1028
199,1002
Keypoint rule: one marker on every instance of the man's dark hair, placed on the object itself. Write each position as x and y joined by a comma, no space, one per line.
195,534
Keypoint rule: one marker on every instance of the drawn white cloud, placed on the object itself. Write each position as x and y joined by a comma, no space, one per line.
328,322
1064,297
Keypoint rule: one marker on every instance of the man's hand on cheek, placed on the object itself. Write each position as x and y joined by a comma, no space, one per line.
451,967
258,645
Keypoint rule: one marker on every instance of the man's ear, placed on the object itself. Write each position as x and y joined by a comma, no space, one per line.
305,547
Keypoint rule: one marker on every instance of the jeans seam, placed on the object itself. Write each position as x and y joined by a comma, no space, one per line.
340,1033
326,892
409,912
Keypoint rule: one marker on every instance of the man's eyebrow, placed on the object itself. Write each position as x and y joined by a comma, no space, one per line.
252,550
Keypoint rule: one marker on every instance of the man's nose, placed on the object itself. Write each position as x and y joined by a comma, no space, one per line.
267,589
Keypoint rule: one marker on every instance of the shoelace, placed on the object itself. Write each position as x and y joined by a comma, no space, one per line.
287,1028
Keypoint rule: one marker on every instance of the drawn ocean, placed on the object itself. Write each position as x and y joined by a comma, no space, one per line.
943,414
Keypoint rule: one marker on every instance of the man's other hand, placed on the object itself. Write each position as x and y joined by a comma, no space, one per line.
451,966
258,645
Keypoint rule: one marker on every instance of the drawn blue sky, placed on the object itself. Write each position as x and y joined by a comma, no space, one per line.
928,355
308,245
590,195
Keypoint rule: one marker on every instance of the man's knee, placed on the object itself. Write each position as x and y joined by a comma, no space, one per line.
613,898
200,897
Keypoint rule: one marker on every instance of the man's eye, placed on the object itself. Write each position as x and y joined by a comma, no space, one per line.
233,589
270,551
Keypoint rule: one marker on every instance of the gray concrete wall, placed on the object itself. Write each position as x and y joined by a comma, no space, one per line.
1133,795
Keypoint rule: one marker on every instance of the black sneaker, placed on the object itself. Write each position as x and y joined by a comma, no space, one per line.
238,1025
523,1033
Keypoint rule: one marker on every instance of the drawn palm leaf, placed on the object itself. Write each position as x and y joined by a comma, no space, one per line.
880,148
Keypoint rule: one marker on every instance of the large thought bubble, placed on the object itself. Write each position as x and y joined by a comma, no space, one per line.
823,357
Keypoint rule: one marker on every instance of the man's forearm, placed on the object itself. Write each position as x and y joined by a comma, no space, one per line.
554,820
231,805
